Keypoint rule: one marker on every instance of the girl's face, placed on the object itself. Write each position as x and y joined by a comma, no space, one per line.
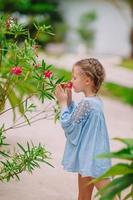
79,80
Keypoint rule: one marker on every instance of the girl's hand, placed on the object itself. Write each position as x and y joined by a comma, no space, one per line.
61,95
68,88
69,95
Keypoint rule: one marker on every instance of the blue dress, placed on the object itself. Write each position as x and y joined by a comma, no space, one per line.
86,137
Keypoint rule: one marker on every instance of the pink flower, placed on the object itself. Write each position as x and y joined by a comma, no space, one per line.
47,74
16,70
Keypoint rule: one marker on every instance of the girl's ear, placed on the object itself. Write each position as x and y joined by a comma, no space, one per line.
88,81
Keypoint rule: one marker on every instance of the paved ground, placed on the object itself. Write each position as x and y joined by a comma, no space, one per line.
56,184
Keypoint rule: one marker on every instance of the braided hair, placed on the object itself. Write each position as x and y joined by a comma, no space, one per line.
92,68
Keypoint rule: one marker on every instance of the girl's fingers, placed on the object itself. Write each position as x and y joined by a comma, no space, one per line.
69,91
58,87
59,90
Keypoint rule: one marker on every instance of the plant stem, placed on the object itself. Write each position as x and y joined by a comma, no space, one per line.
0,54
16,105
22,124
132,191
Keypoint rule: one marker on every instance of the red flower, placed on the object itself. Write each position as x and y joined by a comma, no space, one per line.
16,70
47,74
67,85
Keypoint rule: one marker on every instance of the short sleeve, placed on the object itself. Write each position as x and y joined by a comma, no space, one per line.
72,123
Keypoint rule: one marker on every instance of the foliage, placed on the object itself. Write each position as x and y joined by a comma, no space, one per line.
41,12
11,165
86,29
23,76
122,172
125,94
30,6
32,80
127,63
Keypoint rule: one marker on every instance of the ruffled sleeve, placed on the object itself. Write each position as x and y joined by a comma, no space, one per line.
72,120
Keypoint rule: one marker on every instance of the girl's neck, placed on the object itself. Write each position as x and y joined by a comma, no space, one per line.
89,94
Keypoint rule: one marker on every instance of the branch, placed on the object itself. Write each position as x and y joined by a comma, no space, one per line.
22,124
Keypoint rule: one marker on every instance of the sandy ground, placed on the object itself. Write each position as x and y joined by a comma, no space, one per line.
54,183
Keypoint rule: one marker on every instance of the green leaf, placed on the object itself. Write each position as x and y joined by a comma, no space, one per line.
115,187
43,64
17,177
21,147
125,154
28,86
49,66
47,163
28,121
21,106
49,96
4,154
28,146
127,141
59,80
118,169
5,164
13,102
36,164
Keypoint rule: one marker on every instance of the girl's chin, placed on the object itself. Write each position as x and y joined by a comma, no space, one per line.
77,91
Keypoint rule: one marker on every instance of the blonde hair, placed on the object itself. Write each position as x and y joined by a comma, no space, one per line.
93,69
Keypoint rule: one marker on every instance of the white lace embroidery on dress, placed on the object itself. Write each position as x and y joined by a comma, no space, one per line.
81,112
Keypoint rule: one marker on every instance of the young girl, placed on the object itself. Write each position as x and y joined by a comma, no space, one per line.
84,126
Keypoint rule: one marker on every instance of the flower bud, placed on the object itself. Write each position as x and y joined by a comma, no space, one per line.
47,74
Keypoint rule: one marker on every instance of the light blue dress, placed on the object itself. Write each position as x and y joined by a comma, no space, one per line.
86,137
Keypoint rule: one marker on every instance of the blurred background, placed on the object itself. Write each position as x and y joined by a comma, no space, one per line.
99,26
82,28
